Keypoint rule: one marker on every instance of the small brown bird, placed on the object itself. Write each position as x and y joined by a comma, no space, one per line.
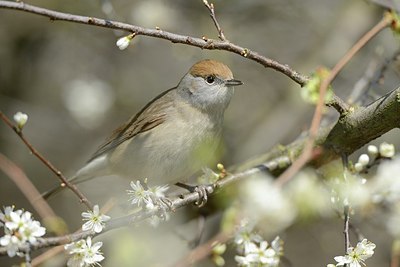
173,136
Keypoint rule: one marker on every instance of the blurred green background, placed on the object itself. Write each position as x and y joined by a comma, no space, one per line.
77,86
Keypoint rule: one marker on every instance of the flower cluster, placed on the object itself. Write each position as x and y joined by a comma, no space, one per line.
83,253
20,230
151,198
254,251
356,257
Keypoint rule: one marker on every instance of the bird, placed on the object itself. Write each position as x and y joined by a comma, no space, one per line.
171,137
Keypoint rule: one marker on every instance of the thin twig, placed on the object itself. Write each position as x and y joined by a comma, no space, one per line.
346,228
341,106
28,261
307,152
210,8
64,180
208,44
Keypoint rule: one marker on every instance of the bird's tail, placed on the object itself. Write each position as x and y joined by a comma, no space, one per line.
74,180
47,194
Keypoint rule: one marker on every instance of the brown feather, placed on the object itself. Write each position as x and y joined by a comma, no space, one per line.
146,119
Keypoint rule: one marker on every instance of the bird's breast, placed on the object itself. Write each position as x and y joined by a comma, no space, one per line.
169,152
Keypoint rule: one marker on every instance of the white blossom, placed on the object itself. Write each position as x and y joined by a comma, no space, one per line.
138,195
95,220
386,150
21,119
159,191
264,254
144,197
356,256
83,253
245,236
75,247
11,243
5,216
244,261
261,254
32,231
18,219
152,199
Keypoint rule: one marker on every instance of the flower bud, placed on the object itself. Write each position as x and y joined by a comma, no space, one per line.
21,119
372,150
358,167
124,42
386,150
363,159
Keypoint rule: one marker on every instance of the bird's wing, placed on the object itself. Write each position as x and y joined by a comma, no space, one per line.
152,115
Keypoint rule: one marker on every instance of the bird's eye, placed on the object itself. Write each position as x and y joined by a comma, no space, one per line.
210,79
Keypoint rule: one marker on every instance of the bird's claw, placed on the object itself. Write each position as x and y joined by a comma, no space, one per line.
201,190
203,195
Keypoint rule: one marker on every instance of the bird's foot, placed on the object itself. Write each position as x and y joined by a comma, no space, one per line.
201,190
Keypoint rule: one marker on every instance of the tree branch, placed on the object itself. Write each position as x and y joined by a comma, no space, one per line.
209,44
210,8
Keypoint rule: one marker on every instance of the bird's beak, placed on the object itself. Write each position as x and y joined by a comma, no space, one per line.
233,82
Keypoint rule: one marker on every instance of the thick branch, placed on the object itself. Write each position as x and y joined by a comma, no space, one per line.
209,44
357,128
365,124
